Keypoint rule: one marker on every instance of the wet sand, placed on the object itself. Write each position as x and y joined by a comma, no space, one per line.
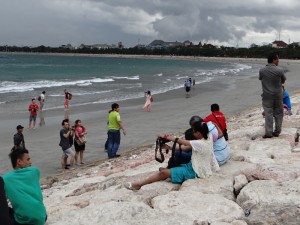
170,114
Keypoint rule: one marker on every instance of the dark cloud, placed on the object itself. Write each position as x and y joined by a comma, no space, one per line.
56,22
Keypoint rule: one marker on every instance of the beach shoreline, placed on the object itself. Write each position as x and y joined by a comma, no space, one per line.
170,113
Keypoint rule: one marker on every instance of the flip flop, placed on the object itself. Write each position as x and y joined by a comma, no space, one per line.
128,185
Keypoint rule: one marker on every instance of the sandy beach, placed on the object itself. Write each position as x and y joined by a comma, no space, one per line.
170,113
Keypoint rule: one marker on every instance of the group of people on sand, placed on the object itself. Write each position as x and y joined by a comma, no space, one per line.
205,146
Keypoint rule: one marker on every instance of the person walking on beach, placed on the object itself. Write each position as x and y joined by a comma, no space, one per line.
187,85
80,140
22,187
19,142
65,136
68,97
148,101
202,164
272,77
33,109
114,126
287,101
218,118
41,99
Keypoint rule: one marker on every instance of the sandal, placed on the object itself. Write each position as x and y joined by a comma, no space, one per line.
128,185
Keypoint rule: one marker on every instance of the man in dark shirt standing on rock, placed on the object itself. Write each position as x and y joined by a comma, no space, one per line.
272,78
19,138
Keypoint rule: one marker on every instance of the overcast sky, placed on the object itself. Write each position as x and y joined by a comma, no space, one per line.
226,22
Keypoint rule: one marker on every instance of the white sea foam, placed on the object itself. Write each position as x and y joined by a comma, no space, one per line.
10,86
126,78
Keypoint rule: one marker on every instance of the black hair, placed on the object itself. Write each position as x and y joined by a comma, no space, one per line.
15,154
32,99
113,107
64,121
283,87
195,119
188,135
272,56
202,128
149,92
214,107
44,92
76,121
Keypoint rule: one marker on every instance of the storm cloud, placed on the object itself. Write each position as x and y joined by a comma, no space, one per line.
231,22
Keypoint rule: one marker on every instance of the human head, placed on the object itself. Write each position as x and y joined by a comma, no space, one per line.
33,100
195,119
149,92
65,123
44,92
19,128
189,134
200,130
214,107
114,106
20,158
273,58
77,122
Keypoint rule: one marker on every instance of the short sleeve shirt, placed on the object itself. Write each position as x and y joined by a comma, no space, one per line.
113,120
22,188
33,108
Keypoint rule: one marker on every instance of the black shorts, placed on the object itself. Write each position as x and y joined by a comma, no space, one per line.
78,147
187,89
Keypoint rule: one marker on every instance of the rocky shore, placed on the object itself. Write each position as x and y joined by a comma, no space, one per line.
259,185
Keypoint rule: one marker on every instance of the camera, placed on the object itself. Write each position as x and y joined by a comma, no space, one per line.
162,141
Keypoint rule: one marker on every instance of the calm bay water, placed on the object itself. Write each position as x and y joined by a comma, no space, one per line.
99,79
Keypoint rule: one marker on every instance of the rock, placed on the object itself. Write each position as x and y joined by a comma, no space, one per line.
271,202
240,181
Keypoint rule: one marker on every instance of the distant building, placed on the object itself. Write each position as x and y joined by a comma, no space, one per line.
68,46
279,44
97,46
187,43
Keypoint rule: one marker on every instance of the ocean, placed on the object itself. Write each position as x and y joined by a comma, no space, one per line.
93,79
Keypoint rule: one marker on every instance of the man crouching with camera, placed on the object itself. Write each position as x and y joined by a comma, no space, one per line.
203,162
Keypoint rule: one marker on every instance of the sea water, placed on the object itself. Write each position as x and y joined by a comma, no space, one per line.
93,79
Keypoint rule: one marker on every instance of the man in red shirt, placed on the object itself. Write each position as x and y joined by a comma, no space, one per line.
33,109
218,118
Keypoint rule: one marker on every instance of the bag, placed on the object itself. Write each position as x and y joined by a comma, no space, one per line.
82,141
225,134
159,144
70,96
39,98
151,99
175,161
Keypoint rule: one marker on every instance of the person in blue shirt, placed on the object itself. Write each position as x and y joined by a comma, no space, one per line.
287,101
22,187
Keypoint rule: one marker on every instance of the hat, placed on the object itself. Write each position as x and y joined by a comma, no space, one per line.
19,127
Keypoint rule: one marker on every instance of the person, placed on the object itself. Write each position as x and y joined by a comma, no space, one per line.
79,142
19,141
33,109
272,77
148,101
220,145
202,164
22,188
187,85
114,126
68,97
287,101
42,100
217,117
65,135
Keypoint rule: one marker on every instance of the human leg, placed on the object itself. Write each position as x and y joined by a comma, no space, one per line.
158,176
117,140
278,116
268,109
81,157
113,143
34,121
30,121
4,211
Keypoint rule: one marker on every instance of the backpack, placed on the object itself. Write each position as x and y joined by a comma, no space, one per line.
39,98
151,99
188,83
70,96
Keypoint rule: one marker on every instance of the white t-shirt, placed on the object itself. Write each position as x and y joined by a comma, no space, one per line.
42,97
203,159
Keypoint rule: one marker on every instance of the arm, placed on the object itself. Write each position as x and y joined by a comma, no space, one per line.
220,132
122,127
187,145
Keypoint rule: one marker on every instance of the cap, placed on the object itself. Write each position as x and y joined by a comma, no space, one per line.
20,127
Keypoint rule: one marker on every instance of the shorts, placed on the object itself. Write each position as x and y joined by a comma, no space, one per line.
79,148
66,102
68,152
187,89
32,118
182,173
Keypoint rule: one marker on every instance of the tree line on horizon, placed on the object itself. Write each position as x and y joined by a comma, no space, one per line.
290,52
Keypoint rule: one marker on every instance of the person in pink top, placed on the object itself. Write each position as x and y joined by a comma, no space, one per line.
148,101
80,140
33,109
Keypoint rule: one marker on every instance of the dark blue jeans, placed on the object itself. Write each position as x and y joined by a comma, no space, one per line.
113,142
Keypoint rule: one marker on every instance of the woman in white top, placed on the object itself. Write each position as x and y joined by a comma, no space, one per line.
148,101
203,162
